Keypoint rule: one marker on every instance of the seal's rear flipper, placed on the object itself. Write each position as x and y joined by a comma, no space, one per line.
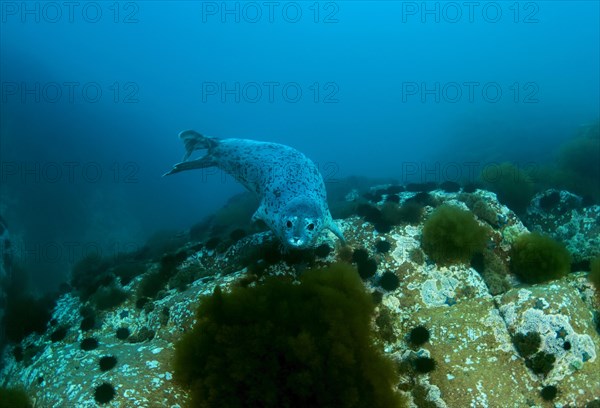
193,140
200,163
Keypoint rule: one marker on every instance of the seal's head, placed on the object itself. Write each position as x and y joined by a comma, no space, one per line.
301,223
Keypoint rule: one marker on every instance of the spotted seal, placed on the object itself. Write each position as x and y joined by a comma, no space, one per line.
293,200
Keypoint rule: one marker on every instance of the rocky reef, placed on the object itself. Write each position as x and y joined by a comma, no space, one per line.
462,333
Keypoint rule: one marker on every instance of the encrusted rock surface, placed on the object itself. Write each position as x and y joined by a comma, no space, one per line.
561,215
565,323
470,325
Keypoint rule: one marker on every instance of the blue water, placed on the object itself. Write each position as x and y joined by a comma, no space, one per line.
94,94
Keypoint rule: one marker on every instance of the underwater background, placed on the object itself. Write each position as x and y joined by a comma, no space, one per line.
401,94
93,99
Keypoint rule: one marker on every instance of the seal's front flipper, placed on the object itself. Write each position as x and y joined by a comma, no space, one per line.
259,214
336,230
193,140
201,163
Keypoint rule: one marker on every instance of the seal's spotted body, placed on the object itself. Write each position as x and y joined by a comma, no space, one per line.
293,200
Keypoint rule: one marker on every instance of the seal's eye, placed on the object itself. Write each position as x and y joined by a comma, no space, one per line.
288,224
310,226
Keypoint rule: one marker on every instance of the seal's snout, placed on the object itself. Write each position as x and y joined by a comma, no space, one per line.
297,242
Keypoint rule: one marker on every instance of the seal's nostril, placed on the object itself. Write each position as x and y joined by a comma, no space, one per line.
296,241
